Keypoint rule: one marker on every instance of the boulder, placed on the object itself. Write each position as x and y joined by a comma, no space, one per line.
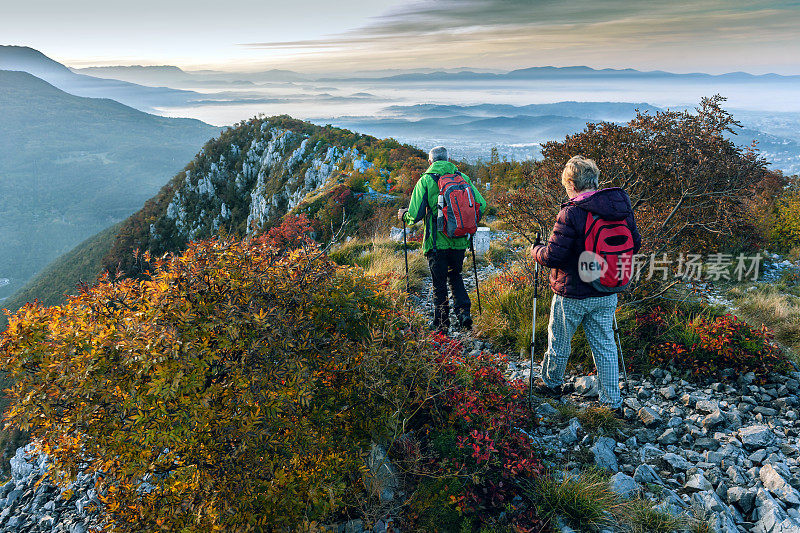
587,386
545,410
569,435
721,519
624,485
646,474
21,467
650,453
778,486
649,417
698,482
668,392
755,437
381,478
771,516
676,462
742,498
604,456
670,436
706,406
714,419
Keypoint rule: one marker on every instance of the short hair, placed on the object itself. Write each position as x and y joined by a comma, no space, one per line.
581,173
437,154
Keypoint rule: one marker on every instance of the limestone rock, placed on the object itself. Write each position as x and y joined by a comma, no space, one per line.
604,456
624,485
649,417
755,437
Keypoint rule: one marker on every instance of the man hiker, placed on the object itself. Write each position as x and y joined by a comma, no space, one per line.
576,296
445,254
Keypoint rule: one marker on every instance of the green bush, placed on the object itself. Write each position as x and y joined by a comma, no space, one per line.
253,379
785,230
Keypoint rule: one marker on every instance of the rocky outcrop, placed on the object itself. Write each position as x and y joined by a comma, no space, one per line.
29,503
273,172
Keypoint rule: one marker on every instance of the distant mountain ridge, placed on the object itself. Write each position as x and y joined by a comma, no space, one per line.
156,75
576,72
25,59
71,166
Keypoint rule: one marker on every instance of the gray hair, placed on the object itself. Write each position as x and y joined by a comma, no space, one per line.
437,154
581,174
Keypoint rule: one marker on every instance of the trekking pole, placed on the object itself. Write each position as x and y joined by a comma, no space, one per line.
475,269
405,252
621,358
533,327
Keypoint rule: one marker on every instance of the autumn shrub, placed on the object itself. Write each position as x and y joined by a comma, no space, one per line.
785,229
240,386
468,450
234,389
703,346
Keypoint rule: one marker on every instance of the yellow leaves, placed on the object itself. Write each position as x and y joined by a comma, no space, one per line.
223,378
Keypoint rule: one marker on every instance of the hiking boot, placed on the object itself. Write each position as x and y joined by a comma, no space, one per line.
465,322
540,388
441,330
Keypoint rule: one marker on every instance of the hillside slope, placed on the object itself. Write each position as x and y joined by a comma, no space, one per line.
71,166
240,183
80,265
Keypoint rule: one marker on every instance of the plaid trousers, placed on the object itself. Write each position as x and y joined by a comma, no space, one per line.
597,316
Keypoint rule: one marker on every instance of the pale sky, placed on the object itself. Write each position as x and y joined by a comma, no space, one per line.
712,36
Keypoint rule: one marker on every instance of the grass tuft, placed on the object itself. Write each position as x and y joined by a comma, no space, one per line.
644,518
591,417
384,257
780,311
587,501
584,499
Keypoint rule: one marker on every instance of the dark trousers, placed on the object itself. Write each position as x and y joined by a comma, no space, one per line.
446,266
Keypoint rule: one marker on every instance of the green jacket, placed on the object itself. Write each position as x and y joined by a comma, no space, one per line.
424,201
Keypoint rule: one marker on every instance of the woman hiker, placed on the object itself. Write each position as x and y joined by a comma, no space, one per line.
576,301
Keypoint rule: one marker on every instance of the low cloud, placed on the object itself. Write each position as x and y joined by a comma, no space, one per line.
512,33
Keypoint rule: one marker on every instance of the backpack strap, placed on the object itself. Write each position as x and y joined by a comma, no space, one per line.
432,214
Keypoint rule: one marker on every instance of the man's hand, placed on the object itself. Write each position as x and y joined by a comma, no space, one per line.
401,213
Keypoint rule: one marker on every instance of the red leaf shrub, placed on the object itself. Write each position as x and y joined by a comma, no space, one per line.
468,450
706,346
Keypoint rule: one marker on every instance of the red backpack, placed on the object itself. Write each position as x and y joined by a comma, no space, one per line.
607,262
459,211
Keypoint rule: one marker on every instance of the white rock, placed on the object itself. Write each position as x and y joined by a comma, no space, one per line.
778,486
757,436
698,482
604,457
624,485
